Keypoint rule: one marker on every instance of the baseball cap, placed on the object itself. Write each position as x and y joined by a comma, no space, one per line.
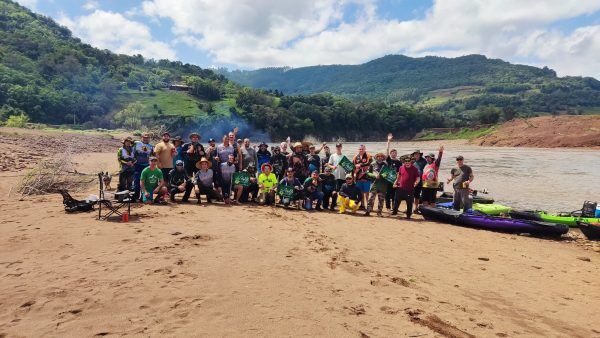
179,163
459,158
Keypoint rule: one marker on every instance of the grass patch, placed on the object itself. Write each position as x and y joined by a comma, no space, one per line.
462,134
165,102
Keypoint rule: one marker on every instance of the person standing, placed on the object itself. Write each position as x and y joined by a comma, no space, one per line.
325,158
395,163
298,162
127,165
142,150
153,184
193,151
263,155
408,179
227,170
180,182
211,152
314,160
430,178
248,155
420,163
165,151
362,164
462,181
334,164
177,143
279,163
379,186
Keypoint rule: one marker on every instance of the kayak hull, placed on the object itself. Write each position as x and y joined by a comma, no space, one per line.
542,216
590,230
492,223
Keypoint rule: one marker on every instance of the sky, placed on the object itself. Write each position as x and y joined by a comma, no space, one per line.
248,34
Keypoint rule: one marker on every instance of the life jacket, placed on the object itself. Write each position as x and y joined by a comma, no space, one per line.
430,175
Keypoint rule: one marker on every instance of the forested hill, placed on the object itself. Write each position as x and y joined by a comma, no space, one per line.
395,78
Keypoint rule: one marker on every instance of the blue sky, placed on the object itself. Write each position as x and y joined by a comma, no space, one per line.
248,34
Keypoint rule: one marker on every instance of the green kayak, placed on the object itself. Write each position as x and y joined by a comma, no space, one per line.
565,218
491,209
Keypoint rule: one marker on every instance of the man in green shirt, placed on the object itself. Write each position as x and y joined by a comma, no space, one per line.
152,183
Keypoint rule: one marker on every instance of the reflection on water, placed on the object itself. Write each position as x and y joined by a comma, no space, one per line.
524,178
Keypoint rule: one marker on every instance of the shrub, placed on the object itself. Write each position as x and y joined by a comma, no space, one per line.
17,121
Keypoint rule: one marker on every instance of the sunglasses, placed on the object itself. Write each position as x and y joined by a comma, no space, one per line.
154,161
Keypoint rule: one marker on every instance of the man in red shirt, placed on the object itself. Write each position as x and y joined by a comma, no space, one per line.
408,179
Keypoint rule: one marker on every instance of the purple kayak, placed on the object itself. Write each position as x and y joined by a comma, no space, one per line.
480,221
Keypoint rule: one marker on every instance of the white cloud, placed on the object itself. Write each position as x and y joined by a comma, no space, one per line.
31,4
108,30
91,5
258,33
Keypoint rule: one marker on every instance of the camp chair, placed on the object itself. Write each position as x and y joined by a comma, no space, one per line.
114,206
73,205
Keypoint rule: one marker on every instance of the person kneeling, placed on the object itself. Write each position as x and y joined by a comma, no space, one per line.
205,181
290,181
267,182
179,182
313,189
152,183
349,195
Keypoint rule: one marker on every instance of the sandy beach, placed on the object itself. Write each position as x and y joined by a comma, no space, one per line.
187,270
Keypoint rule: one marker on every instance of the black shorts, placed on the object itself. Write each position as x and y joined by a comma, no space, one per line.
418,189
429,195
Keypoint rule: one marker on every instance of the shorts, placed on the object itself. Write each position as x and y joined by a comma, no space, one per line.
148,199
429,195
363,186
418,189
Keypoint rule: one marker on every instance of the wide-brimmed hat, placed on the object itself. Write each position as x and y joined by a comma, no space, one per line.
203,160
417,152
128,138
380,155
262,167
297,144
194,134
177,139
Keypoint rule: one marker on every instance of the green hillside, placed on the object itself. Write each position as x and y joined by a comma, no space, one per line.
447,84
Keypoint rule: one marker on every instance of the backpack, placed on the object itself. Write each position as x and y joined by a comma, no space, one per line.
589,209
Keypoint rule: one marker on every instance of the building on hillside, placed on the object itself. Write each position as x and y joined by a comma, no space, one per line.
179,87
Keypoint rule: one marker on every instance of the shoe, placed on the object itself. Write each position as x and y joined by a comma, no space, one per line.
379,214
407,216
172,198
367,213
318,209
394,212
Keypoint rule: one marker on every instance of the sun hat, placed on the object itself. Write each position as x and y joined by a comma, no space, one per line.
203,160
194,134
417,152
407,159
262,167
177,139
379,155
128,138
297,144
239,140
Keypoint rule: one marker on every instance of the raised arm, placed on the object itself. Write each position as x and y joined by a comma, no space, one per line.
389,139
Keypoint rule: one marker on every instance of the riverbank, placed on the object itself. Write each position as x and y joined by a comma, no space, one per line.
182,270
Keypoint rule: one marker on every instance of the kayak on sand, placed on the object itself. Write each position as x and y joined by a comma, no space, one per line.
449,196
564,218
493,223
590,230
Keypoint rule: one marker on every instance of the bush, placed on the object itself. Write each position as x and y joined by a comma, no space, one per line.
17,121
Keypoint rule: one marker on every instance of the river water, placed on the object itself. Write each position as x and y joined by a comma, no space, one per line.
523,178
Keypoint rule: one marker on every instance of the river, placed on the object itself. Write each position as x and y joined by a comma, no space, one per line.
523,178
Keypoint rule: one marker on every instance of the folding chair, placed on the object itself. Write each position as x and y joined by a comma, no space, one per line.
73,205
112,207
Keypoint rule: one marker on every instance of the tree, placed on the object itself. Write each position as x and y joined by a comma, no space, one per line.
488,115
131,116
17,121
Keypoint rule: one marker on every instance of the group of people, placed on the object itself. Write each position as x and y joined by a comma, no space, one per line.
303,176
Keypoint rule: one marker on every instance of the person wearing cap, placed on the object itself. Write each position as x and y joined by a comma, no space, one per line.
379,186
325,157
126,160
462,180
313,191
420,163
334,164
291,180
206,181
179,182
153,187
178,144
349,195
142,150
248,155
165,151
211,152
429,177
314,160
267,182
226,174
279,163
192,151
330,190
394,162
362,164
407,180
298,162
263,155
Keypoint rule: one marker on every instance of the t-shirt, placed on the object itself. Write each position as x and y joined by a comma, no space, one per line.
223,152
269,182
420,164
205,178
339,172
248,157
464,173
394,163
329,183
314,162
150,178
227,170
164,151
408,177
310,186
142,152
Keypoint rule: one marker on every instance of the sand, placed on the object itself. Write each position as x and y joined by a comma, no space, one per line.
187,270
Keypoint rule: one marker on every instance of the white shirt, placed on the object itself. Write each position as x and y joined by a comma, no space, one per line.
339,172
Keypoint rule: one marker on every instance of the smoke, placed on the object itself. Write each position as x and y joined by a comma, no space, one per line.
217,127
